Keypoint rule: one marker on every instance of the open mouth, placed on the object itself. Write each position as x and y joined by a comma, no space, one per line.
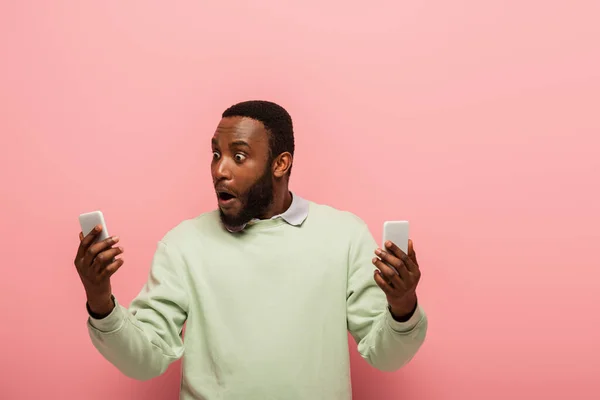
224,196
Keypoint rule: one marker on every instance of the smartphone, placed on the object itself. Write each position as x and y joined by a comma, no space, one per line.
397,233
89,220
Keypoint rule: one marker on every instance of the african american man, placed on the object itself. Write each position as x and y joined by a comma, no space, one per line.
268,284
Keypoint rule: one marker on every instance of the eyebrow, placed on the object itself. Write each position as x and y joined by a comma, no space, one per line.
233,144
239,143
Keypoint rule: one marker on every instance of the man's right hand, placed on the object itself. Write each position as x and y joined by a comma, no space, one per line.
96,263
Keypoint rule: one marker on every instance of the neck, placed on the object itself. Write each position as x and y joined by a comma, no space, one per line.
282,200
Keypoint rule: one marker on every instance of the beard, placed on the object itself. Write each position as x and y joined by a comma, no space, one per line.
254,203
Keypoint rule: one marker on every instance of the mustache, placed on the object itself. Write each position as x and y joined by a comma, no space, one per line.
221,188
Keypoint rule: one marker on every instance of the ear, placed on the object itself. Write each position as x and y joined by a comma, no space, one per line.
282,164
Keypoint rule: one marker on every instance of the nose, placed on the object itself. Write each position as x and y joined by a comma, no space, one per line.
221,171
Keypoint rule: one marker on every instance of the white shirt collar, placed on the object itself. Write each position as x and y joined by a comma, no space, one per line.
294,215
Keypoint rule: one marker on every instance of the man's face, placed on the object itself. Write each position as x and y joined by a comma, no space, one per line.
241,170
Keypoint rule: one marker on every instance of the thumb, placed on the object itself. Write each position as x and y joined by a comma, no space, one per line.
411,251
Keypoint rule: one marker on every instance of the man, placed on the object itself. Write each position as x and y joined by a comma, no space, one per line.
268,285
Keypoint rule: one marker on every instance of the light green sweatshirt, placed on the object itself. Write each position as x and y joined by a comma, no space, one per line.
266,310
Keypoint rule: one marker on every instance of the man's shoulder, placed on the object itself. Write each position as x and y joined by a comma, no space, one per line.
191,228
333,223
334,216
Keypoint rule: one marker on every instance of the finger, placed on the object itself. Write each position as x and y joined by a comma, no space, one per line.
111,269
394,262
105,258
411,252
382,283
389,274
80,236
97,248
88,240
410,265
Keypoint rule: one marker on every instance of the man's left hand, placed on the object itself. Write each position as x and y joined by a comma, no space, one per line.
399,288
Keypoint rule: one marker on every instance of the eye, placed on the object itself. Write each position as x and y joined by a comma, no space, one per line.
216,155
239,157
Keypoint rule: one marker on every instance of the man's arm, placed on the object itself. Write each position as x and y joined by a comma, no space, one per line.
384,342
145,339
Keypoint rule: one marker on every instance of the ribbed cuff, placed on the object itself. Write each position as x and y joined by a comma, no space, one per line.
111,322
403,327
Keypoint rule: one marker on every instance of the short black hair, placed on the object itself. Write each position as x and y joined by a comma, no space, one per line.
275,118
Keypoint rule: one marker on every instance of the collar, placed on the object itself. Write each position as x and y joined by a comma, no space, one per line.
294,215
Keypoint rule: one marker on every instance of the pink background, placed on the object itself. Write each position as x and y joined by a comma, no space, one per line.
477,120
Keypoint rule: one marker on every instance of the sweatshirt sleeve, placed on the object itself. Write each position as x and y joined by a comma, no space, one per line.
383,342
145,339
